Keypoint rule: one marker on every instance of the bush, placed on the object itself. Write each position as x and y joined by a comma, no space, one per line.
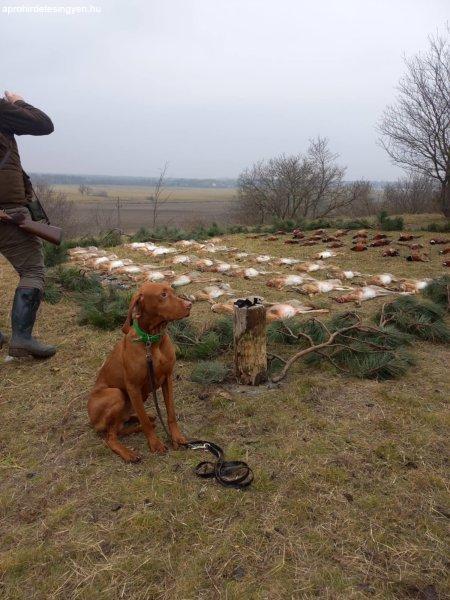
54,255
237,229
439,227
142,235
209,372
73,279
52,293
353,224
106,309
387,223
438,291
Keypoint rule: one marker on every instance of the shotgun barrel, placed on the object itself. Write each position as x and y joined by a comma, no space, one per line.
49,233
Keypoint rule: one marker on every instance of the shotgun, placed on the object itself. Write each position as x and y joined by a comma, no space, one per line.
49,233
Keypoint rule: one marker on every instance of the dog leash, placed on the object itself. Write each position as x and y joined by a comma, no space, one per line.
229,473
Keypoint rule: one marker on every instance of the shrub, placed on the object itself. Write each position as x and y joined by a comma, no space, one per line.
387,223
142,235
353,224
438,291
73,279
54,255
439,227
106,309
209,372
52,293
237,229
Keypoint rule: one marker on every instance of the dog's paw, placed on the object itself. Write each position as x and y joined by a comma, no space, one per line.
178,440
131,457
157,446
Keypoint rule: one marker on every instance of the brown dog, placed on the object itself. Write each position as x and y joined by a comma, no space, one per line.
123,385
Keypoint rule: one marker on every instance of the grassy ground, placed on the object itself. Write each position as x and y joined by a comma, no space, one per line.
350,498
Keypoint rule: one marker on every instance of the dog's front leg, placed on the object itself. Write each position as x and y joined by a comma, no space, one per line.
175,434
148,427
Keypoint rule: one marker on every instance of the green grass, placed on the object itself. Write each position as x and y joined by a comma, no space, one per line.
350,498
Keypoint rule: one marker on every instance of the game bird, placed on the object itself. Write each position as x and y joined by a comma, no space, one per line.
439,241
390,252
359,247
380,242
416,257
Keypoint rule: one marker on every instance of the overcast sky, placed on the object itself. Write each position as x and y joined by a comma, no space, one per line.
210,86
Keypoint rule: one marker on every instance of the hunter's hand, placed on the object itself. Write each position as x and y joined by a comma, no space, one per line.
4,216
12,97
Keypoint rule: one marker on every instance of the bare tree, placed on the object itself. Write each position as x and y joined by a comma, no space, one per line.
413,194
289,187
59,209
159,195
365,202
84,190
415,130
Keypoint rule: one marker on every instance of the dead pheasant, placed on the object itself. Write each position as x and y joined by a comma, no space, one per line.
359,247
309,243
445,251
416,257
390,252
335,245
439,241
380,242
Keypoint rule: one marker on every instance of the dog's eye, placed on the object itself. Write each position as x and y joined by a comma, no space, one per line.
164,295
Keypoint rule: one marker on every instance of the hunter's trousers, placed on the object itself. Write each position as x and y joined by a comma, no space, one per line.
23,251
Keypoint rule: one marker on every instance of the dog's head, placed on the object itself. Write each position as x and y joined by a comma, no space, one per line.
156,304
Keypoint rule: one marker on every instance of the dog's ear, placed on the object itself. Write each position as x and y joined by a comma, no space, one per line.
134,312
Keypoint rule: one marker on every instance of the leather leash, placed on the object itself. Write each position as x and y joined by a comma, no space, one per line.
229,473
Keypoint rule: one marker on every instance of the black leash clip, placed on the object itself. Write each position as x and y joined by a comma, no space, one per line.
229,473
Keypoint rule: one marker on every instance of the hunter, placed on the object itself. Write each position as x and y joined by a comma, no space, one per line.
22,250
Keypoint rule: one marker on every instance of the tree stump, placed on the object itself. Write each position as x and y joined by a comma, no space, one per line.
250,354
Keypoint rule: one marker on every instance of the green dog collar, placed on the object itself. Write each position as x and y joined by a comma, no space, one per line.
144,337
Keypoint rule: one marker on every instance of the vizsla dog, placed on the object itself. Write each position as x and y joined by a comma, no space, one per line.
123,384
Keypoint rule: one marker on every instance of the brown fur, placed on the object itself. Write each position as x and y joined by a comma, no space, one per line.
122,385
